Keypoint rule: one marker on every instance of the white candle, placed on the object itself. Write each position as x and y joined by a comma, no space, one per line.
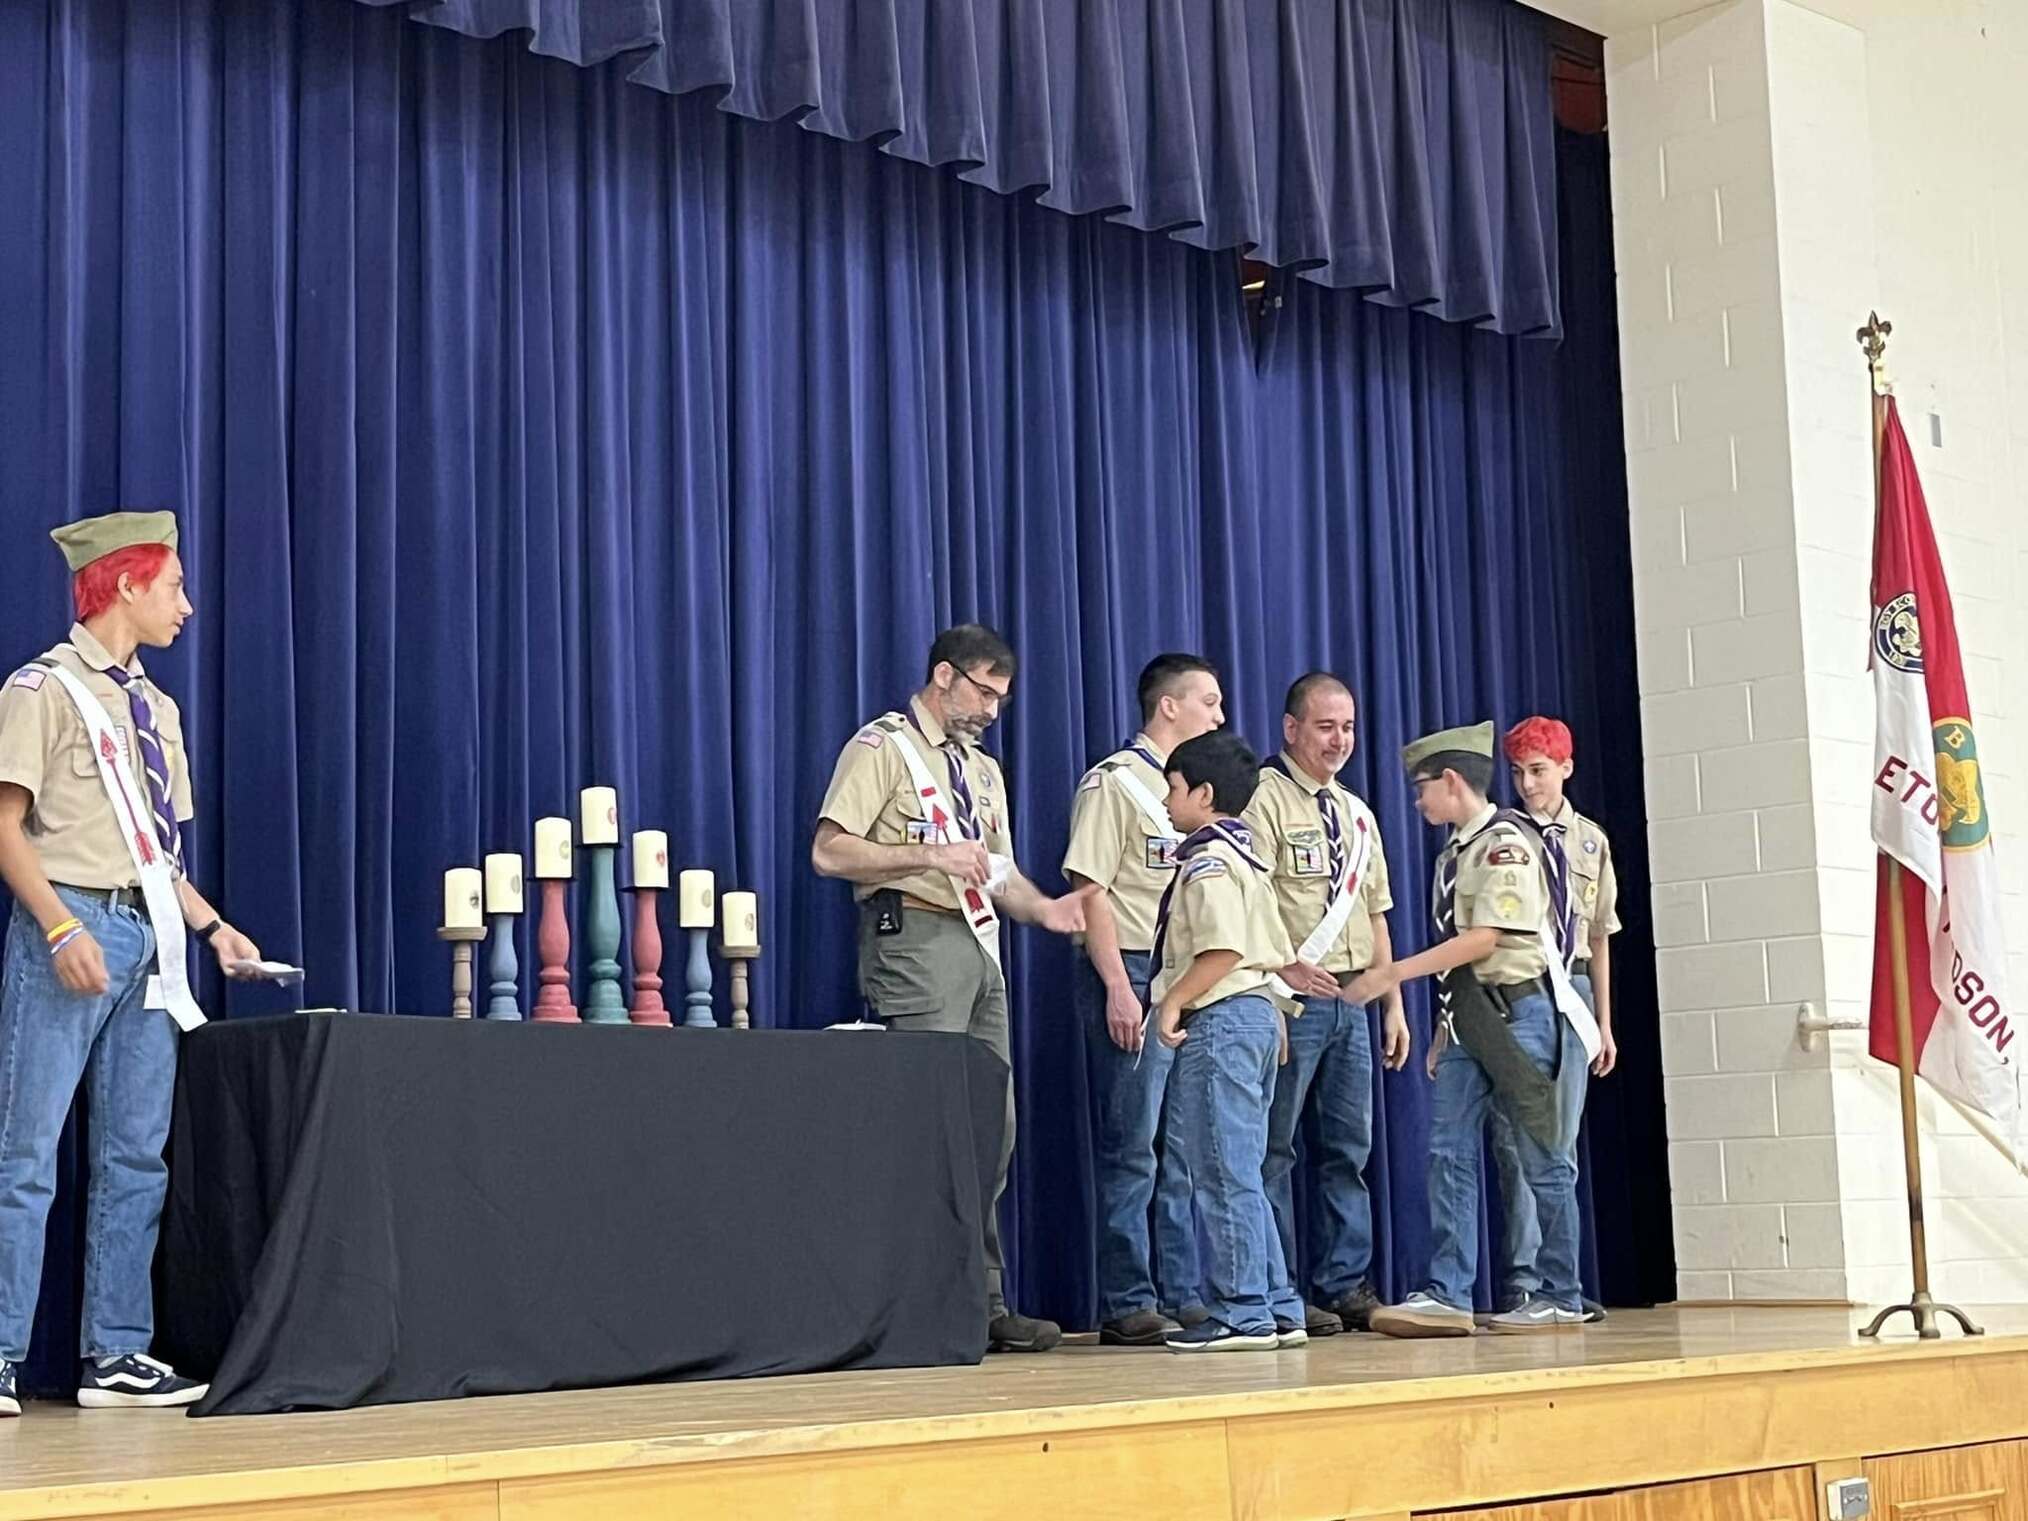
461,898
651,858
552,847
741,912
503,884
693,909
598,816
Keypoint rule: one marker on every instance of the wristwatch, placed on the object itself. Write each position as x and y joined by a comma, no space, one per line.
210,929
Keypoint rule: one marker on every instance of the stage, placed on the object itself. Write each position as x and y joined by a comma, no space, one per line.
1356,1426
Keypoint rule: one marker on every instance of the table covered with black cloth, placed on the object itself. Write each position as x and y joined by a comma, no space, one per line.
366,1209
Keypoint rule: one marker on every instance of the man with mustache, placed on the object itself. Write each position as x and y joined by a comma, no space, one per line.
916,820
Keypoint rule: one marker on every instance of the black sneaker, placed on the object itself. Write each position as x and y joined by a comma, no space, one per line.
1213,1336
136,1381
1320,1322
1009,1332
1356,1306
1142,1328
1594,1312
10,1402
1290,1333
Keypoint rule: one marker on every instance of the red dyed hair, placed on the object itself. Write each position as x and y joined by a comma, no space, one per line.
1539,736
97,586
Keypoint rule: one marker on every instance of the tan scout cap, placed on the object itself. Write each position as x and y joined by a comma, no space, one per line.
91,539
1426,757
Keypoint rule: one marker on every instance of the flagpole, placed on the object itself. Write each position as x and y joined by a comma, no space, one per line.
1920,1307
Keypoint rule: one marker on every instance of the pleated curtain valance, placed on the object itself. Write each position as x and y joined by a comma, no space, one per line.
1403,148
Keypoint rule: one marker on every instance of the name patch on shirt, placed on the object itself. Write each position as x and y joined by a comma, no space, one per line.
29,678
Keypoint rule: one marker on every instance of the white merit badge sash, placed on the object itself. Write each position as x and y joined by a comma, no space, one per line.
978,908
1358,854
1151,807
169,988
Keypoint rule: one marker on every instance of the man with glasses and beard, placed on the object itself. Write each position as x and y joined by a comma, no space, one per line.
916,820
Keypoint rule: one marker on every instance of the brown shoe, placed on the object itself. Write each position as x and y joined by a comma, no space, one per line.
1009,1332
1143,1328
1320,1322
1356,1306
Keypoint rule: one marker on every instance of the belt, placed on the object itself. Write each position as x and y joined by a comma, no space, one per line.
1507,992
910,900
112,897
1581,967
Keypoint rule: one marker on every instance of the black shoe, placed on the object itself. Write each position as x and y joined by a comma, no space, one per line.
1356,1306
1289,1333
1594,1312
1142,1328
136,1381
1021,1333
1320,1322
1191,1316
10,1402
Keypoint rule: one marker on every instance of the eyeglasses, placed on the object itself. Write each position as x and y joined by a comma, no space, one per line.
993,694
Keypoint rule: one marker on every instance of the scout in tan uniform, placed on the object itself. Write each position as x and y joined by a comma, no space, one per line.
916,819
1123,848
1218,943
1540,759
1330,881
1490,904
94,789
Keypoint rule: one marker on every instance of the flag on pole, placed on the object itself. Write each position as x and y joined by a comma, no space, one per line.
1930,814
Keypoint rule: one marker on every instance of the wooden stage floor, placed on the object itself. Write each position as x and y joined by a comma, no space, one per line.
1351,1426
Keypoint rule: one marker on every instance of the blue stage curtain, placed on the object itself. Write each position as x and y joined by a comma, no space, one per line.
1399,147
532,430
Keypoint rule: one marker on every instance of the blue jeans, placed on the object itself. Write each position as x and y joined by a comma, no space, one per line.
1463,1099
1219,1095
1128,1134
1521,1232
1331,1071
51,1037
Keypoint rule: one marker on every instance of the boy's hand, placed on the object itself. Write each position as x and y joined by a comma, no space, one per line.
1169,1025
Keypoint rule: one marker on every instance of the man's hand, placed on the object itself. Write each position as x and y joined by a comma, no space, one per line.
1126,1020
1310,981
229,945
1064,915
1370,984
1608,1054
1438,1041
1169,1026
81,965
1394,1038
965,860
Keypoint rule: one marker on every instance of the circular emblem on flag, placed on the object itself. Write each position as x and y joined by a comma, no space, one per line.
1960,790
1897,634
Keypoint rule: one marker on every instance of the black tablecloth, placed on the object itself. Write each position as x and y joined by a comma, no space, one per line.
365,1209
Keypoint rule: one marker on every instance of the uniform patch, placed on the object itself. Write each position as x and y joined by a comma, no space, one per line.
1160,854
920,831
1204,866
1590,894
1591,847
1508,855
29,678
1507,905
1307,855
1090,783
870,738
1510,879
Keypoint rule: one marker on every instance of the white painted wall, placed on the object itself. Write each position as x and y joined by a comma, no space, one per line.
1778,170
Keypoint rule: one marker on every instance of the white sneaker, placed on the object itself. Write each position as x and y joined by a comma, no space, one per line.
1537,1315
1422,1315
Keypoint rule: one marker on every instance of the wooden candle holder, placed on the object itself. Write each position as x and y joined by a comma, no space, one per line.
463,941
552,944
647,1007
738,957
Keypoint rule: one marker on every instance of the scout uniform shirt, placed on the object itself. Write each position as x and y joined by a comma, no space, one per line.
1498,885
1114,844
1288,833
1222,904
45,750
871,795
1594,885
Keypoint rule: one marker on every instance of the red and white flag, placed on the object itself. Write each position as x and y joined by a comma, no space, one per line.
1929,813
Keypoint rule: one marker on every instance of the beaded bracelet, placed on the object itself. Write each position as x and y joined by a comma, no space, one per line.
59,931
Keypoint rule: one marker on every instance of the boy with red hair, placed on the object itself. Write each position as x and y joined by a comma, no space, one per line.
94,790
1540,758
